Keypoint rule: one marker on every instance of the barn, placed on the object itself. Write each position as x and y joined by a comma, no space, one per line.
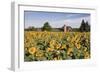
67,28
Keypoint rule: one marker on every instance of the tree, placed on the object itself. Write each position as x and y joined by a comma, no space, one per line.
85,27
46,27
82,27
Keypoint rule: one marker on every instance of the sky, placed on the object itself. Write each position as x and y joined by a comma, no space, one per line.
55,19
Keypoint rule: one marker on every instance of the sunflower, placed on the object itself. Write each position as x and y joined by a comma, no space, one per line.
52,42
78,46
39,53
69,51
50,49
63,47
58,46
85,49
32,50
87,55
55,58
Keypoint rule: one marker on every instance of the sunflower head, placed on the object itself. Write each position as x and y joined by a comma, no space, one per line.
87,55
69,51
50,49
32,50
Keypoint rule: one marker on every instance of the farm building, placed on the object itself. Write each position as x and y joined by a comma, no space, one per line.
67,28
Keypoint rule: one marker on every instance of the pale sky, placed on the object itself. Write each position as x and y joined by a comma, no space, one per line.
55,19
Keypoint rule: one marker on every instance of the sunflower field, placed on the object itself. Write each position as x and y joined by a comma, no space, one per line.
41,46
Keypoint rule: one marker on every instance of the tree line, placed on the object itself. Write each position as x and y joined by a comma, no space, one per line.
84,27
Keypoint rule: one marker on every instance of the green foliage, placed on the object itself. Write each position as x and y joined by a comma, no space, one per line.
40,46
46,27
85,27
